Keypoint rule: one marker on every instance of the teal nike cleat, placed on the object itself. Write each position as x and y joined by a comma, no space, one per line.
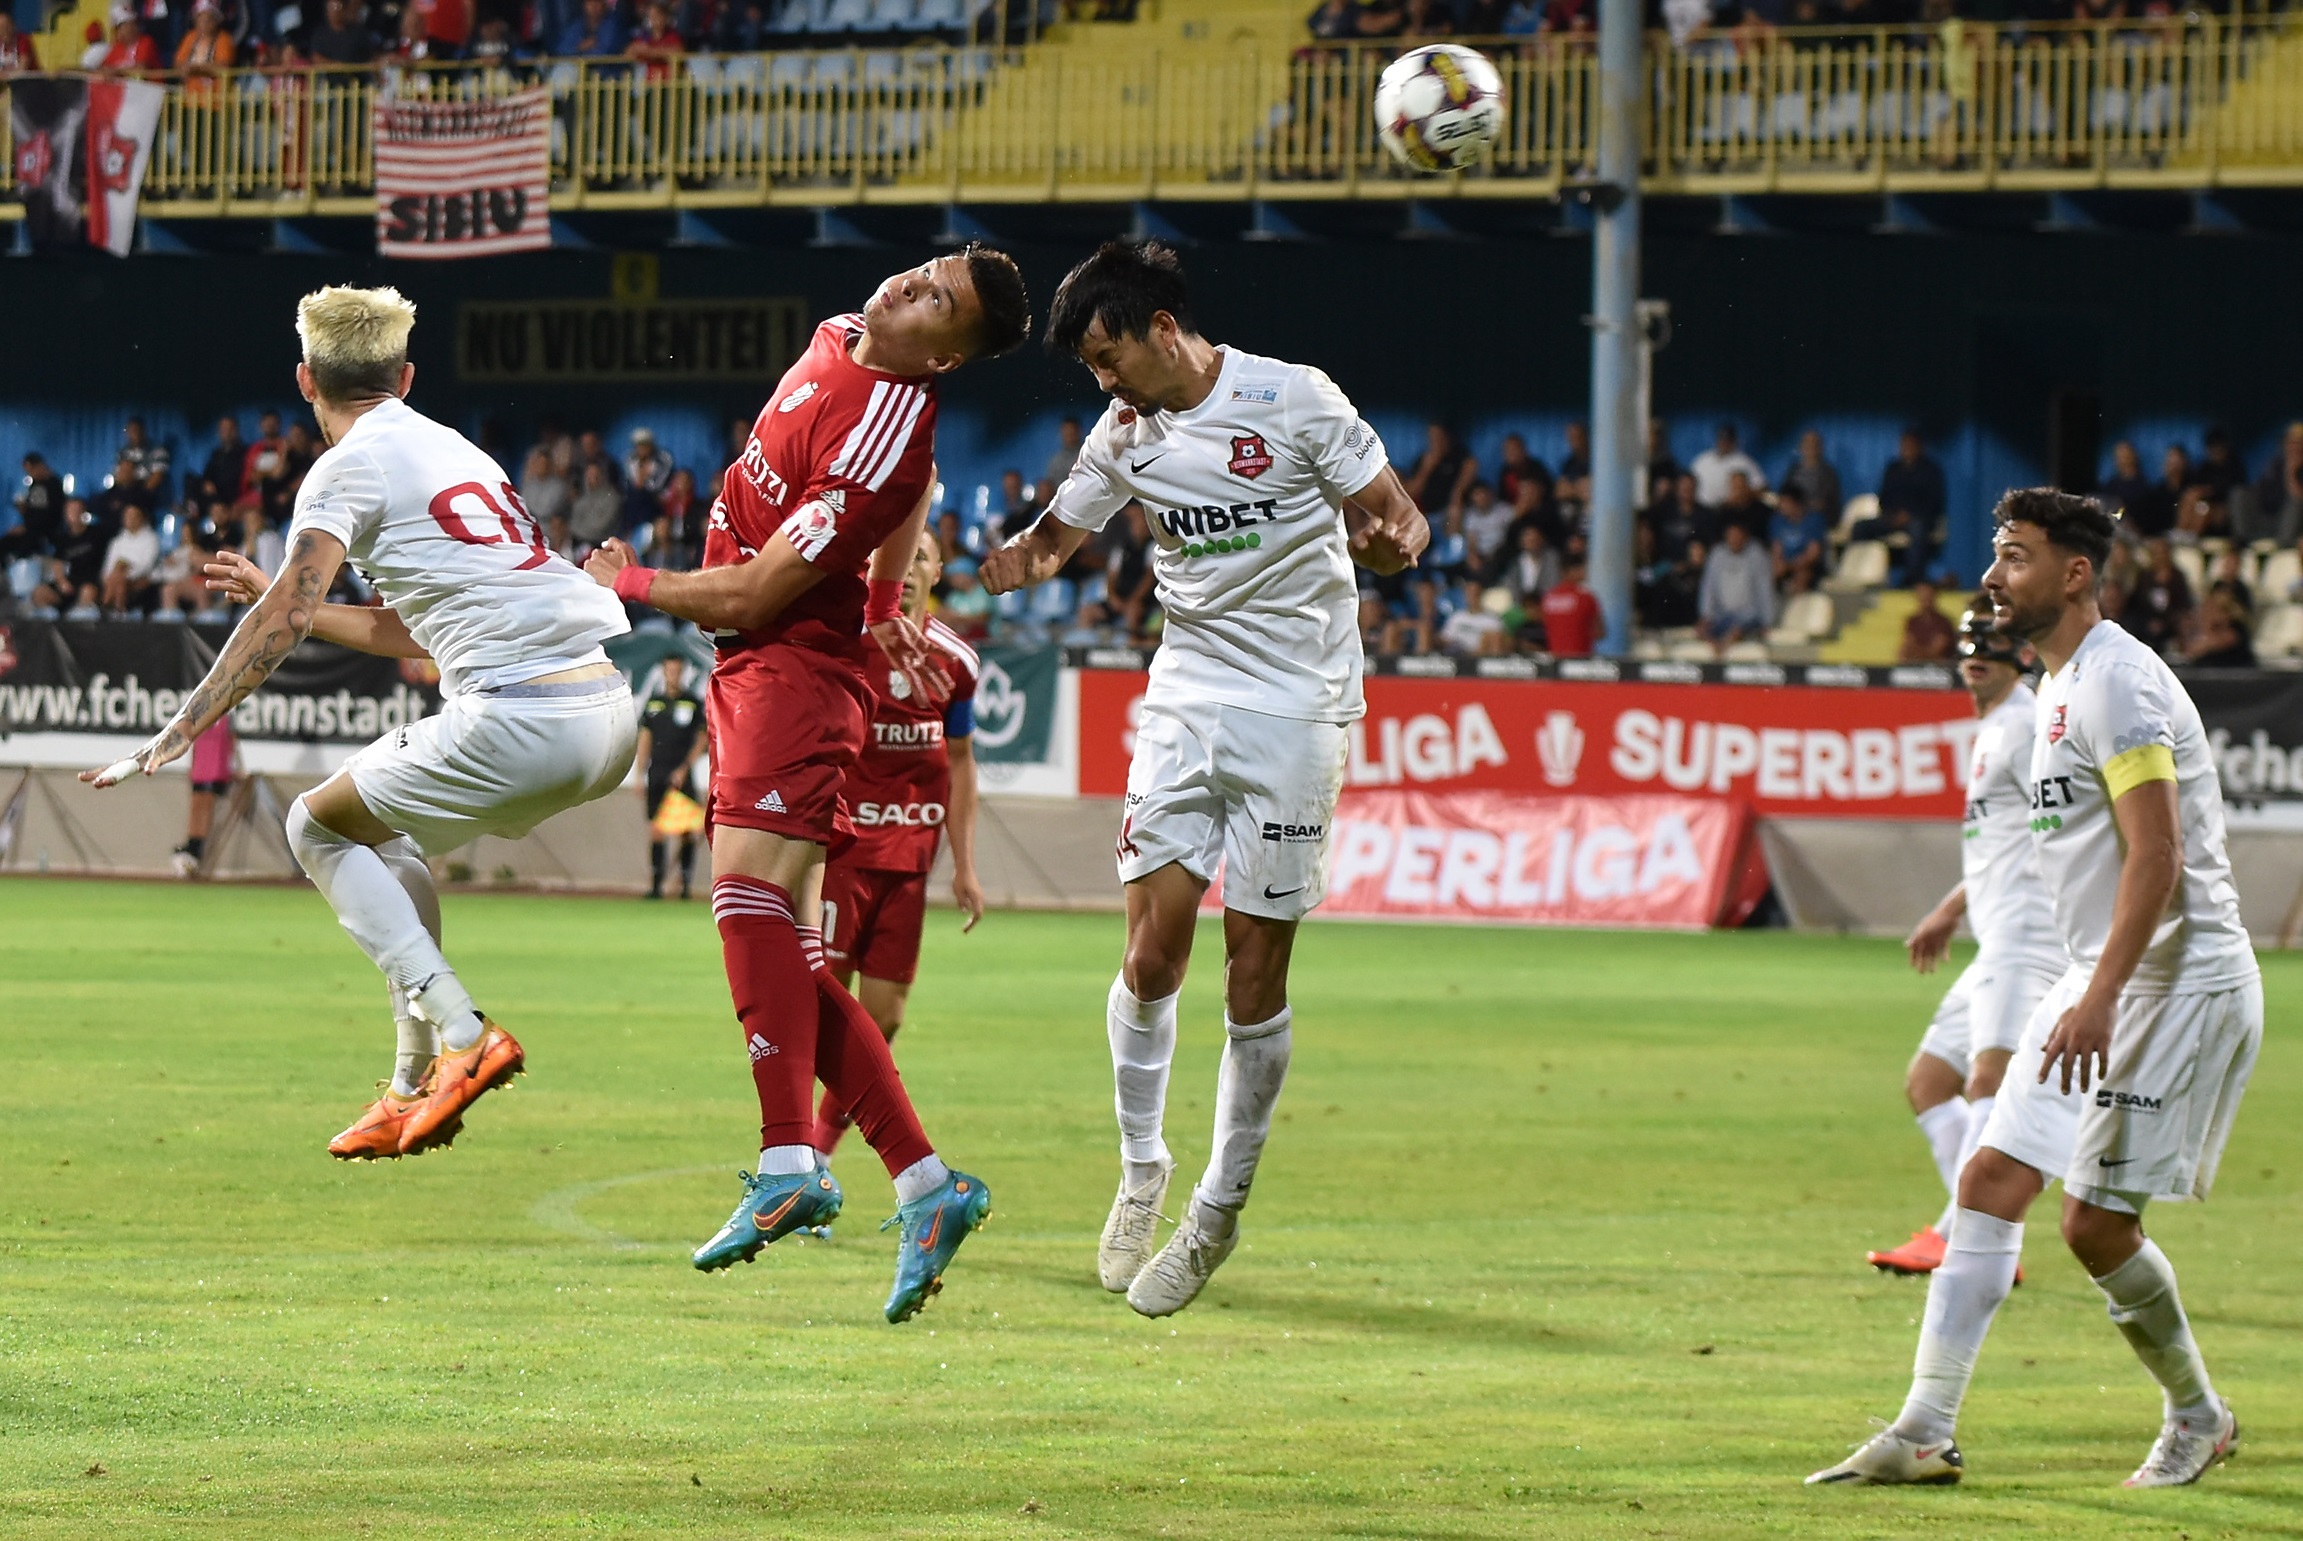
933,1228
773,1208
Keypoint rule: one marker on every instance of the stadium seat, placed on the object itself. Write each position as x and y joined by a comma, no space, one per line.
892,16
1691,652
940,15
1053,603
796,16
2279,573
790,70
1746,652
1805,617
883,66
2192,564
846,16
2279,633
1863,565
1647,649
1864,505
705,69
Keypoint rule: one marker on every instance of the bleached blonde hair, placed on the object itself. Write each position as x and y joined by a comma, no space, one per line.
355,340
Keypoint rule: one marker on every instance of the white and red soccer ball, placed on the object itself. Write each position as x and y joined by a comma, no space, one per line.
1439,108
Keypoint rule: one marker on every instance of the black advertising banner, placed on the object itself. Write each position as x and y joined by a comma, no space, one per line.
587,342
2255,725
125,677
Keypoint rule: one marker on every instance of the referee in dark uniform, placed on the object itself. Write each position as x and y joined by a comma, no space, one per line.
673,738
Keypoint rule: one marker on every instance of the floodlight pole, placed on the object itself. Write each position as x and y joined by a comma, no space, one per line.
1618,438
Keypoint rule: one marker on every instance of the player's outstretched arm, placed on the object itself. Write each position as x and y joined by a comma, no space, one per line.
2150,823
375,629
1035,556
283,616
1386,530
742,596
960,824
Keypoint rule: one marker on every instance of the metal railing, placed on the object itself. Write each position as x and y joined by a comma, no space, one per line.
2183,102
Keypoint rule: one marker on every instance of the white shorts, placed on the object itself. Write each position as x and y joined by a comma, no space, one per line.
2156,1124
498,762
2154,1127
1985,1009
1212,783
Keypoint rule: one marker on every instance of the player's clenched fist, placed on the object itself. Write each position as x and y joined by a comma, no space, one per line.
1005,569
609,558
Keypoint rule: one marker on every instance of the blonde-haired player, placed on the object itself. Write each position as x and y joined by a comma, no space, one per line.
534,718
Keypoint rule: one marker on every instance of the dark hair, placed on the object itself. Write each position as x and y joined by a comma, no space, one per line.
1004,311
370,381
1123,285
2072,523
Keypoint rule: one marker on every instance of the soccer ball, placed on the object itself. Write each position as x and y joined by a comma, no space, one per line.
1439,108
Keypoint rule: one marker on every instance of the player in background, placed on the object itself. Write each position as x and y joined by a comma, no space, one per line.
833,484
673,737
534,718
214,756
1264,487
2156,1024
1955,1076
915,780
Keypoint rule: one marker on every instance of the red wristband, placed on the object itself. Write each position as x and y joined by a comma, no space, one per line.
883,599
634,582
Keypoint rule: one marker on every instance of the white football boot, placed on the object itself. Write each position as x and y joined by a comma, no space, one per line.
2181,1456
1174,1278
1127,1239
1887,1458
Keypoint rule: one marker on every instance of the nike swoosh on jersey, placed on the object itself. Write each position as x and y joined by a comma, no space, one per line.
1283,893
1136,467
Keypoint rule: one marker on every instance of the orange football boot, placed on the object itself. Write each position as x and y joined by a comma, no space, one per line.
375,1135
1923,1253
457,1081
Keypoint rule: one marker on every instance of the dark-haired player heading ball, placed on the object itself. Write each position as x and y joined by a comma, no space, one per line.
1264,487
834,481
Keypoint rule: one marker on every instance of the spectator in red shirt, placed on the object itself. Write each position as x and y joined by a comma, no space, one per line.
1571,618
1928,637
657,43
17,55
265,458
130,50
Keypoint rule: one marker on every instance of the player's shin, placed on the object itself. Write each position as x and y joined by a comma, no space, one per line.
773,986
1255,1057
376,910
2149,1312
1143,1047
1962,1297
859,1072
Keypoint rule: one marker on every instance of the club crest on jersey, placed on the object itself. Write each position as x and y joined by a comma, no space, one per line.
792,401
898,685
2058,725
1249,458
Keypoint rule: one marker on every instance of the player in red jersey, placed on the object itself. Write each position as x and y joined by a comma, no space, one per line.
915,780
833,483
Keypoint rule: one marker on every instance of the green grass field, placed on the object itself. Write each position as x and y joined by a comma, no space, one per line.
1559,1234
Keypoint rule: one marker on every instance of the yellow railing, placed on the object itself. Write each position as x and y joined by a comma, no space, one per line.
2179,103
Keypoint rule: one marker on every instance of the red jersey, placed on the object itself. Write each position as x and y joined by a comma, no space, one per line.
837,460
901,785
1570,620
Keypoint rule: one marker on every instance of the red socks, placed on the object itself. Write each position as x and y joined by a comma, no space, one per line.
772,977
859,1076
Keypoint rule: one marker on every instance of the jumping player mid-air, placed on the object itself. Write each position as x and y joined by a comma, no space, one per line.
1264,487
1955,1076
834,482
535,719
2156,1024
915,780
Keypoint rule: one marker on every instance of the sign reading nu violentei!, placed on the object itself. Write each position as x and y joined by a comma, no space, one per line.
581,341
463,179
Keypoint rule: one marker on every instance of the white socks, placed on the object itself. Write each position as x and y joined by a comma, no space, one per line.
1962,1296
788,1160
374,900
1247,1090
1945,1128
920,1179
1143,1047
1978,1114
2149,1313
419,1041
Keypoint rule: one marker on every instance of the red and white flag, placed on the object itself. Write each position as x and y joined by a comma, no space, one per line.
463,179
81,148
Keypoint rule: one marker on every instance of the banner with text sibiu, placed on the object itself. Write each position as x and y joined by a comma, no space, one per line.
80,148
122,677
1683,863
463,178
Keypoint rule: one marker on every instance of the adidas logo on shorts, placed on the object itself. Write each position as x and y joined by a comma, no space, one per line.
772,803
761,1048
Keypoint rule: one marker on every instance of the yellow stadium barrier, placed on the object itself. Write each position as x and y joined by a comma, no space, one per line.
2179,102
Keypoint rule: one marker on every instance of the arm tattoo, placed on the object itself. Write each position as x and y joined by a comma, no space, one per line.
265,636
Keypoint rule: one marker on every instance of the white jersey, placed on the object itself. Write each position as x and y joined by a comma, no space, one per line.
2114,718
1243,493
2007,904
437,528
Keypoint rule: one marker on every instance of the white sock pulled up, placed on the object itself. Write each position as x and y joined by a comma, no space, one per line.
1962,1297
1143,1047
2148,1310
1247,1088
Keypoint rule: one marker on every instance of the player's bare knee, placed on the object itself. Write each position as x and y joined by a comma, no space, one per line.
1990,1070
1151,971
2100,1238
1930,1082
1999,1185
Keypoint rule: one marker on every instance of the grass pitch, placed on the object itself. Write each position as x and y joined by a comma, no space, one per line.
1559,1234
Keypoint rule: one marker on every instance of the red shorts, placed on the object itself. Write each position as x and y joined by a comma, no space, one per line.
787,724
872,920
212,757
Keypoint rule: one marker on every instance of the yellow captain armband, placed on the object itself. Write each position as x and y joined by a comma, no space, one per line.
2145,762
